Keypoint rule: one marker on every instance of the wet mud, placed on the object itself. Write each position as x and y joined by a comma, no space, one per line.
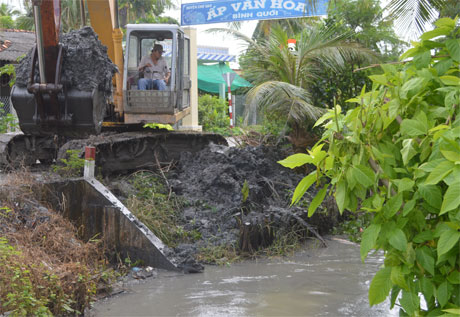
86,65
211,182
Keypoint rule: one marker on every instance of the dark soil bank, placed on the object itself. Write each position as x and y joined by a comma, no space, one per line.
211,182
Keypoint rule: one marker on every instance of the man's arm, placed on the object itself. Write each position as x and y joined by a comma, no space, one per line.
144,63
168,74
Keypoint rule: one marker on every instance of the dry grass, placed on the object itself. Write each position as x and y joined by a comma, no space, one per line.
44,267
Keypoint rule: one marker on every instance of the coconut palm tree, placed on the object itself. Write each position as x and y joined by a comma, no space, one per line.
282,77
7,10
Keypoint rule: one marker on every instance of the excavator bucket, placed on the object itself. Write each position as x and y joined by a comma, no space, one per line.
79,113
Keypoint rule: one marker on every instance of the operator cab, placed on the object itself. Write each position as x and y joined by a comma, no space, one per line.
167,106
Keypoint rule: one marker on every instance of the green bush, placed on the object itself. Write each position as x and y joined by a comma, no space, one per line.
6,22
7,120
72,166
213,114
397,156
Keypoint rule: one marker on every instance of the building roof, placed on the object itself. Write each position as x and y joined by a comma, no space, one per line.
208,53
15,43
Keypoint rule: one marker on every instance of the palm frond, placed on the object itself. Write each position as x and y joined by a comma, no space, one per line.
284,99
413,16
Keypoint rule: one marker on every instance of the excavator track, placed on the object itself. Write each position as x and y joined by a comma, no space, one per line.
18,149
121,152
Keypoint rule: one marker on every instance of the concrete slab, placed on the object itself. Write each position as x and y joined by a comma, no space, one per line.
99,214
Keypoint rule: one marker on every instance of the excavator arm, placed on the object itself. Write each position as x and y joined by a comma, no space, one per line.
104,20
47,106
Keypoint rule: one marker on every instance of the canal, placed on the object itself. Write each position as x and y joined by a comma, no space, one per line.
315,281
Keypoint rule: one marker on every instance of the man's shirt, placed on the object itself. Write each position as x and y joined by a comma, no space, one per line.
157,71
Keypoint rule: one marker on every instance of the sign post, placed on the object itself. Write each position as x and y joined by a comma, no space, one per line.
229,77
90,161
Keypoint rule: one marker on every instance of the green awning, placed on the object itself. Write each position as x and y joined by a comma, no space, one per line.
210,78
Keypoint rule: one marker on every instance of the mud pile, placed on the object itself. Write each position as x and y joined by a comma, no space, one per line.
212,182
86,65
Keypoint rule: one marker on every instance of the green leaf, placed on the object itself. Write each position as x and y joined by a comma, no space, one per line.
409,53
408,207
397,277
445,22
410,302
442,294
408,151
451,155
450,80
423,236
394,295
453,311
431,165
404,184
447,240
317,201
379,79
380,286
363,175
302,187
431,194
326,116
411,87
454,277
427,287
453,177
435,33
341,195
409,256
453,47
350,178
413,128
393,205
296,160
442,66
398,239
425,259
245,191
440,171
451,198
422,60
369,239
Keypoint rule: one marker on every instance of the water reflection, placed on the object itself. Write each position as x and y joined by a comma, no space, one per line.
315,282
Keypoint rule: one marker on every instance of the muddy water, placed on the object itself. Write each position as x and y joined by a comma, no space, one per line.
315,282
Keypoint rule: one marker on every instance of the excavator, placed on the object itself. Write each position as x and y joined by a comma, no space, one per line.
55,117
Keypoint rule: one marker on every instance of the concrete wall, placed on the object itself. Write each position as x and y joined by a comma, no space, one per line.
99,214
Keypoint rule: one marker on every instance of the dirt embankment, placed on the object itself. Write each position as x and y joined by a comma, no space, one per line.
45,267
211,182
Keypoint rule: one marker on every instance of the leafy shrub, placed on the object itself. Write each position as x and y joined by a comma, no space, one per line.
213,114
397,156
9,70
71,166
7,120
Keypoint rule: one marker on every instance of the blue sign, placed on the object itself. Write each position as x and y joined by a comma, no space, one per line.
242,10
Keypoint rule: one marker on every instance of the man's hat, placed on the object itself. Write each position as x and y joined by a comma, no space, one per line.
158,48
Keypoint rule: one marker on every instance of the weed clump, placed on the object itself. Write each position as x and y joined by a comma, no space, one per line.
153,203
71,166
